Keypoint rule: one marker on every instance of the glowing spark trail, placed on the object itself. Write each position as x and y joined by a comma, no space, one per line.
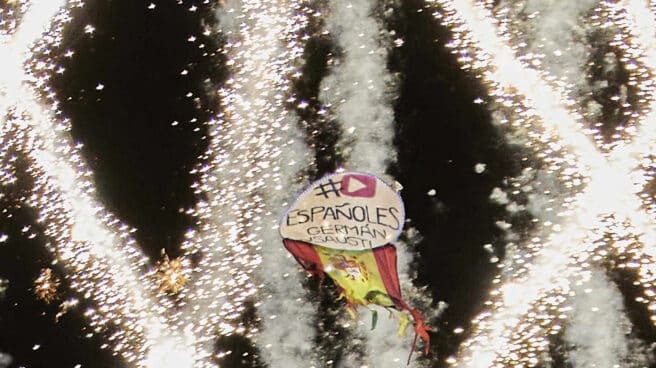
253,163
493,331
531,301
357,87
624,154
253,139
553,31
357,91
101,259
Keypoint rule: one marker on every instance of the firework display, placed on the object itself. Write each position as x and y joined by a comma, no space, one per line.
282,92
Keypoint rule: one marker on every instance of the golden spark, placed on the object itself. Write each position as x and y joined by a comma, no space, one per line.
170,274
46,285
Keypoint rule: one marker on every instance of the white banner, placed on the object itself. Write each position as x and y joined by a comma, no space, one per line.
349,210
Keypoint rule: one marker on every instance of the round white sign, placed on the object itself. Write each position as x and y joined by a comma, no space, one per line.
348,210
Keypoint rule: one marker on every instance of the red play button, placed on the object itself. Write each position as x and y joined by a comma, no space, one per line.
356,185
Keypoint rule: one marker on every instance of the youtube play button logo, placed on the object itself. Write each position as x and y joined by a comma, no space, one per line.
355,185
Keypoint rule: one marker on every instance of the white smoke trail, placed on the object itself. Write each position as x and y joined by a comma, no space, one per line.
357,90
554,32
35,23
598,327
288,318
542,99
255,155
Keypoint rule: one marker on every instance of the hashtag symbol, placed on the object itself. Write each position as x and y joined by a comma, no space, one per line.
331,188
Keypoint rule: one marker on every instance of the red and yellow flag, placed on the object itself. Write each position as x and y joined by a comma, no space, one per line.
364,277
343,226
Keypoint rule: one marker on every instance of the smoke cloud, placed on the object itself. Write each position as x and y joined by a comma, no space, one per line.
598,331
356,88
5,360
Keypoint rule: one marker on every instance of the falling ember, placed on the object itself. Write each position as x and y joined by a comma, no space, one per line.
170,274
64,307
46,285
4,285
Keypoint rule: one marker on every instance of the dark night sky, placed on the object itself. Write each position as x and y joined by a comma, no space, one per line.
141,162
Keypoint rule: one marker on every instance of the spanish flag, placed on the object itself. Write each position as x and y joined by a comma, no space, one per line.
363,277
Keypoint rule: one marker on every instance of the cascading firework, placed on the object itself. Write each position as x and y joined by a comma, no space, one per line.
605,192
252,165
357,91
601,210
101,260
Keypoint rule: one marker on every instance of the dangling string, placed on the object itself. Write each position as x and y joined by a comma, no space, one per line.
412,349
